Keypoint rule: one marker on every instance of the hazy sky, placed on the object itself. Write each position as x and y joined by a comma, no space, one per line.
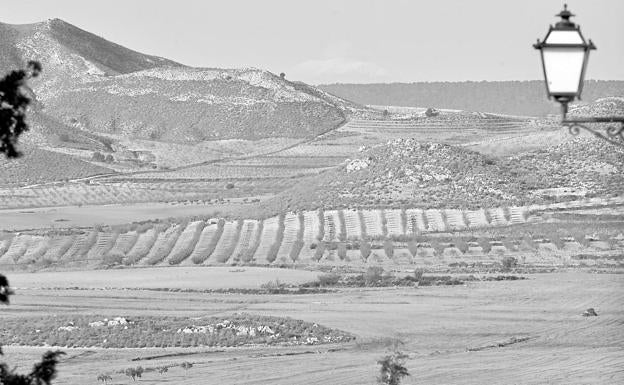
364,41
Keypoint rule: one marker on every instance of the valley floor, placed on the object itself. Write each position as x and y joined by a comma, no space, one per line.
450,333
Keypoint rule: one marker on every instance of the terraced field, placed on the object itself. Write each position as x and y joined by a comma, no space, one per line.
438,238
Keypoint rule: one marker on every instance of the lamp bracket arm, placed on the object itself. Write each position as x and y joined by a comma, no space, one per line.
613,134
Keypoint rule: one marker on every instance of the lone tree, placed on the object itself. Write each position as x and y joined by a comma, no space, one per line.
13,105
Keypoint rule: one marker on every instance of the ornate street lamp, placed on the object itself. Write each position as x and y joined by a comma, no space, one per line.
565,53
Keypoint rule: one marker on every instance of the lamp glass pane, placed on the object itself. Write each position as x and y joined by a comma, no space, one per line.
564,67
564,37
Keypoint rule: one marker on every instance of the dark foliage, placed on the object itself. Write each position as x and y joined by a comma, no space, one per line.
42,374
5,290
392,368
13,105
134,373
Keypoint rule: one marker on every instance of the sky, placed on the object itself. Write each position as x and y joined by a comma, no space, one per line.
345,41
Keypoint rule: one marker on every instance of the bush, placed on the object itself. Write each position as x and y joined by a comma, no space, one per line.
273,285
365,249
388,248
418,274
373,275
319,251
392,368
134,373
509,263
329,279
112,259
342,251
98,157
431,112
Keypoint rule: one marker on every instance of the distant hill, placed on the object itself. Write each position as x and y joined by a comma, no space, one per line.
527,98
89,84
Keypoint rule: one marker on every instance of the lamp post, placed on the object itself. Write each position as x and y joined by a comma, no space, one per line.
565,53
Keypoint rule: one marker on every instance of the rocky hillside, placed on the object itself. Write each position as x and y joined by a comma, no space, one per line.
91,84
406,172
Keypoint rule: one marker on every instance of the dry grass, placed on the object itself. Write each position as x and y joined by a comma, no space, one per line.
438,325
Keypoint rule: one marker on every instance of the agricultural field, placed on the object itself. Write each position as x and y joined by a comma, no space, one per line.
564,234
526,331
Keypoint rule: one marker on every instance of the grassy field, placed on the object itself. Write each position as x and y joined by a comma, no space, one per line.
451,334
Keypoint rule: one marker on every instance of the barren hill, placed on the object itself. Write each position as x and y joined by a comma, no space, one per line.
91,84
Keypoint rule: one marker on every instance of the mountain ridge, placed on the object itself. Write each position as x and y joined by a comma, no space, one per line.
523,98
90,84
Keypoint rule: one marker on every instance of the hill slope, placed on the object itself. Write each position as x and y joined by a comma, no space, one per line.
91,84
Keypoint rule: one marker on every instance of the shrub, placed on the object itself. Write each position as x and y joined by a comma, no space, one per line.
418,274
388,248
134,373
329,279
273,285
365,249
104,378
373,275
509,263
162,369
112,259
342,251
98,157
431,112
319,251
392,368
